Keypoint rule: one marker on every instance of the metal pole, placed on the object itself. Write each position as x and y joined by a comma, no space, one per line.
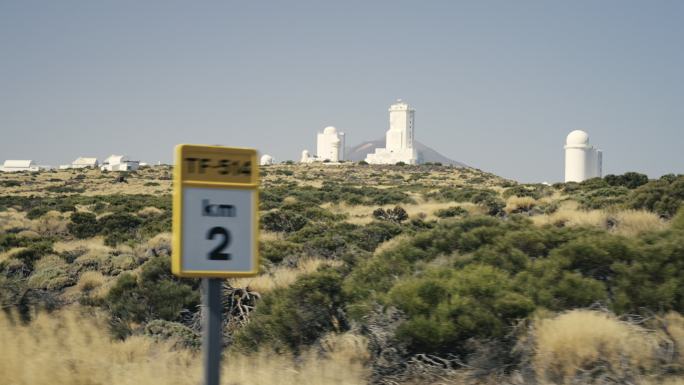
211,330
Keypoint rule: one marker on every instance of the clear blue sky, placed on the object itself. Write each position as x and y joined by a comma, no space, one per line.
495,84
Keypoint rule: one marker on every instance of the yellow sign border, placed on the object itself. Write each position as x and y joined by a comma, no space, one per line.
178,184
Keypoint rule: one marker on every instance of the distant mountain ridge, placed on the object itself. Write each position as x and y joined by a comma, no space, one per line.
425,154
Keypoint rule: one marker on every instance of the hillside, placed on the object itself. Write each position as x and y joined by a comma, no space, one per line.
370,275
425,153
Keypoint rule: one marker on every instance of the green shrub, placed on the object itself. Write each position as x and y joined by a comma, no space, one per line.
397,214
83,225
535,191
183,336
282,221
603,197
660,196
630,180
119,227
36,212
446,308
33,253
296,316
10,183
276,251
455,211
155,294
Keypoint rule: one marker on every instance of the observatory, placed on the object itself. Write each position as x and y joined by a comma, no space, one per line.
266,160
582,161
119,163
330,145
398,139
19,165
306,157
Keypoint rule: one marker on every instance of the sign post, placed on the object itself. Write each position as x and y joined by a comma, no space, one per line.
215,230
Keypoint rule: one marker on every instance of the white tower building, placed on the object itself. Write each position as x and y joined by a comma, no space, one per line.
582,161
398,139
330,145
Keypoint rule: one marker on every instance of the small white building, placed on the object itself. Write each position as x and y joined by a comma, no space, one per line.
266,160
330,145
398,139
81,162
307,157
119,163
19,165
582,161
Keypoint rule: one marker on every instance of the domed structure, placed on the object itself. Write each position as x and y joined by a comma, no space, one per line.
582,161
266,160
330,145
577,138
306,157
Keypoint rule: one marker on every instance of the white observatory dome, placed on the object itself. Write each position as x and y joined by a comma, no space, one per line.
330,130
266,160
577,138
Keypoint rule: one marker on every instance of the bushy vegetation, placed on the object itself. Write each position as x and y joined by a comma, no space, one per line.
343,256
154,294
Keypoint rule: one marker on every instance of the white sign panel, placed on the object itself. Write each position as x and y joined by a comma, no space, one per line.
218,228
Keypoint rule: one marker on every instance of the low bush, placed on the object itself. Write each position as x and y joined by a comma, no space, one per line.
282,221
397,214
83,225
297,316
155,294
455,211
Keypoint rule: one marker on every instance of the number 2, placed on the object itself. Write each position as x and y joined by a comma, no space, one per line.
217,253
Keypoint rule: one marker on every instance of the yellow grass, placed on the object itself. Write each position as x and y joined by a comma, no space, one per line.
90,280
516,203
10,253
282,276
91,244
361,214
52,223
12,219
625,222
580,338
68,348
150,211
636,222
675,329
569,215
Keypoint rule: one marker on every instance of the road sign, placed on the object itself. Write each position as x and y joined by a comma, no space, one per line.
215,225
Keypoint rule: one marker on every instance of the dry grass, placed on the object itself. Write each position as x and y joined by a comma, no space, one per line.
52,223
69,348
569,215
636,222
13,220
625,222
10,253
361,214
580,339
89,281
516,203
282,276
675,329
50,273
91,244
150,211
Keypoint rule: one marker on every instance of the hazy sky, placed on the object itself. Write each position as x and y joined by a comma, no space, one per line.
495,84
